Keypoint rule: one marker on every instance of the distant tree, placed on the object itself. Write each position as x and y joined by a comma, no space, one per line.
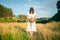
1,10
58,4
5,12
56,17
22,17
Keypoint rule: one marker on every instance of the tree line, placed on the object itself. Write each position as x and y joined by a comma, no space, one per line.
5,12
56,17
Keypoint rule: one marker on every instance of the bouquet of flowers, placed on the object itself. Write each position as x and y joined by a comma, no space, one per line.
31,19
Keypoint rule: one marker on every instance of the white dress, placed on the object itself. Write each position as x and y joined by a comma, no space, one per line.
31,26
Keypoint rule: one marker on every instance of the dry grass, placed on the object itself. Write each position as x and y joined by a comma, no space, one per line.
44,31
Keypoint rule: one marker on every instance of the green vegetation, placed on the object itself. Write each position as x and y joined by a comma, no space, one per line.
8,19
56,17
7,36
6,15
5,12
50,31
41,21
12,31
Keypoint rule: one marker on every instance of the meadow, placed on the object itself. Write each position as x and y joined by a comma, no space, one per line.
17,31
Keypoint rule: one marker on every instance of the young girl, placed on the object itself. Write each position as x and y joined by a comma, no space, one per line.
31,26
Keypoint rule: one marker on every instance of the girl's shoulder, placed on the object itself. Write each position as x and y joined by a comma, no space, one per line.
34,13
27,13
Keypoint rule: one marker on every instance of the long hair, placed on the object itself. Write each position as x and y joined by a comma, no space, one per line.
31,10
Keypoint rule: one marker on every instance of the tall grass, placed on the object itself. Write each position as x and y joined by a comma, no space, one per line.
17,31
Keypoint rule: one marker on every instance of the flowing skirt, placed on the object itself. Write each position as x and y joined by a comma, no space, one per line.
31,27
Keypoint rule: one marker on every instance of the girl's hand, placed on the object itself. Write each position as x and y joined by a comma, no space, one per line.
31,20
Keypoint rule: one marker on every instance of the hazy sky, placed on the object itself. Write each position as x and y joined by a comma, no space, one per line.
43,8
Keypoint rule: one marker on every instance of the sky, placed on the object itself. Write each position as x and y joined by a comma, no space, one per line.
42,8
